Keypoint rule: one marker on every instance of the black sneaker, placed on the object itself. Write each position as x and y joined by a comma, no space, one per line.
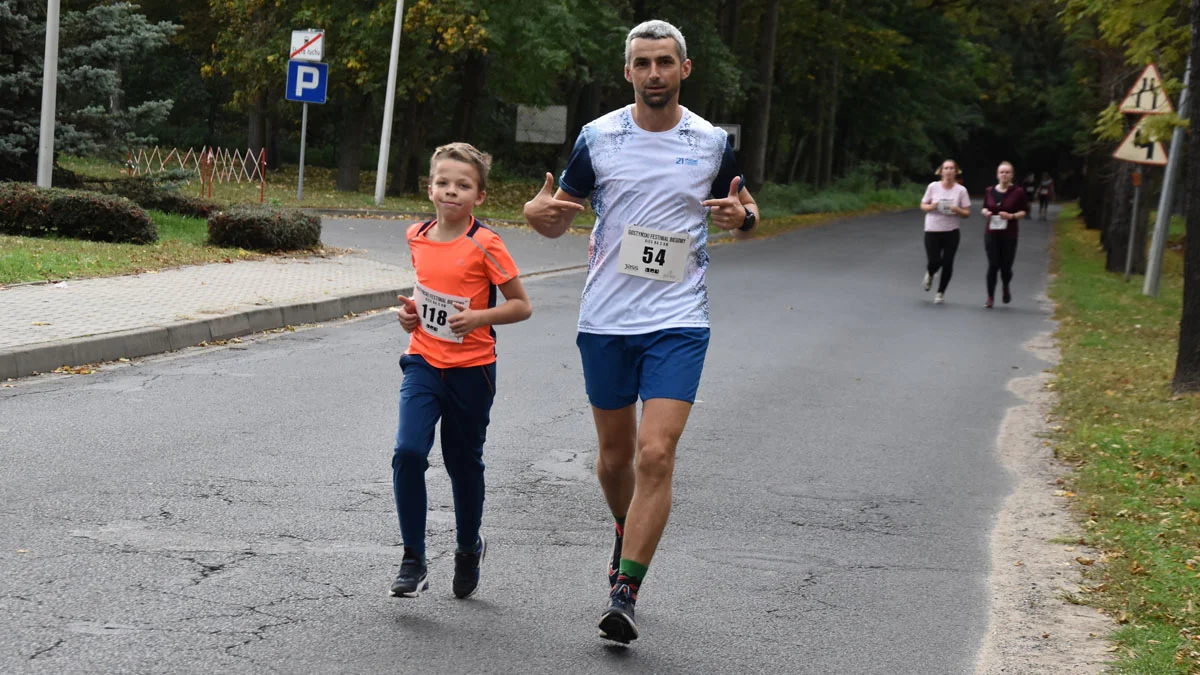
616,623
466,569
614,565
413,577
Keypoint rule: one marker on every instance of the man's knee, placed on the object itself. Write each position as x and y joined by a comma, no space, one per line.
656,460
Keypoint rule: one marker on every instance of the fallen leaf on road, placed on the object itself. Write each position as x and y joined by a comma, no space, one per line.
1084,561
41,323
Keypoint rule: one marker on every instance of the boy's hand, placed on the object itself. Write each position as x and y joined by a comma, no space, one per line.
465,321
407,314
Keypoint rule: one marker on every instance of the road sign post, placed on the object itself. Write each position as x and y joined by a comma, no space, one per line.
1145,98
1162,221
307,82
1137,193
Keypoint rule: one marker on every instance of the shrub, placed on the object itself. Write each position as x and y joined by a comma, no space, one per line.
28,210
160,193
264,228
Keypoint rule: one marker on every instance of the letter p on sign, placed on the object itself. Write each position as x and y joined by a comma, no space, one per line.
307,81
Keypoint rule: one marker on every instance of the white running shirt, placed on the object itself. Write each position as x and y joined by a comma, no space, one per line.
654,180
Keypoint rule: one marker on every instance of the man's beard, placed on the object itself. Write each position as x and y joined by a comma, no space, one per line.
658,101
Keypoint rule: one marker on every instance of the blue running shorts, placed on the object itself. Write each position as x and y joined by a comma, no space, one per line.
618,369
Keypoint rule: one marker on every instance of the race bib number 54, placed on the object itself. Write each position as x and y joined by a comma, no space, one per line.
435,310
654,254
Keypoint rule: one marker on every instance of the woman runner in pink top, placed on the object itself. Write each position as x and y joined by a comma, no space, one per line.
945,203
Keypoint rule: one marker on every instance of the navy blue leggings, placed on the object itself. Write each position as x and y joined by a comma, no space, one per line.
462,399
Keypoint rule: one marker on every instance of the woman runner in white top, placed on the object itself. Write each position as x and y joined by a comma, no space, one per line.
945,203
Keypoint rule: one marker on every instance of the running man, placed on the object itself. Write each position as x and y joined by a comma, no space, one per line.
654,170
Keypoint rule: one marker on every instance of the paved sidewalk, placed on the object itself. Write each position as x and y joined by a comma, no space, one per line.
72,323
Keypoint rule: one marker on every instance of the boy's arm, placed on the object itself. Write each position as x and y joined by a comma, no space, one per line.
516,307
551,213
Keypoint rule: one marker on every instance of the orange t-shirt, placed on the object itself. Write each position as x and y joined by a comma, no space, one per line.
471,266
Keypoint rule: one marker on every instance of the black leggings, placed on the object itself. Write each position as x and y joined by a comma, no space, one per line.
1001,252
940,248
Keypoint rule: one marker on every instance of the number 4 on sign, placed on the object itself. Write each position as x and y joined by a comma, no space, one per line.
1139,149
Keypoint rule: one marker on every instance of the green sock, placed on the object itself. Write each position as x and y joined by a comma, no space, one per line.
634,570
620,520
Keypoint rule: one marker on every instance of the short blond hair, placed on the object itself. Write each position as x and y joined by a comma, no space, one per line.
938,171
467,153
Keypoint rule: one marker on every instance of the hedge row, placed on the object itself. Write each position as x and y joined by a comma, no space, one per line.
262,228
31,211
157,193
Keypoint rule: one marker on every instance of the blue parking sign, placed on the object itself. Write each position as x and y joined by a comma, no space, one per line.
307,81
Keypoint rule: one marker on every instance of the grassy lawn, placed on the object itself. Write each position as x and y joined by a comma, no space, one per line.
181,242
1137,447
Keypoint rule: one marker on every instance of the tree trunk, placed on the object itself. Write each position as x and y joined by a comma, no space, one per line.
473,72
411,149
1187,364
349,148
1123,218
1091,203
760,114
797,153
257,117
830,127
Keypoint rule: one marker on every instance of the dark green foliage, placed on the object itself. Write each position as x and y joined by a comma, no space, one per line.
157,193
264,228
27,210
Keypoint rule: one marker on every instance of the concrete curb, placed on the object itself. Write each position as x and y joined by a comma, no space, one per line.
129,344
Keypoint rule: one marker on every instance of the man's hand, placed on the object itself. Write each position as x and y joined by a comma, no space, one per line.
727,212
465,321
544,212
407,314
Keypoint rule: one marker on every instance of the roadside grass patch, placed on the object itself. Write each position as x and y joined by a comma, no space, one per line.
181,242
1137,449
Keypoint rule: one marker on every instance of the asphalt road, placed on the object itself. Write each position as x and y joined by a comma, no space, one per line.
230,510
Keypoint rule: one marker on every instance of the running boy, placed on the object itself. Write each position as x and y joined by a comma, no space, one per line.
450,366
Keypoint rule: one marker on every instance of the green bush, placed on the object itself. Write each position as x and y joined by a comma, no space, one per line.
160,193
32,211
264,228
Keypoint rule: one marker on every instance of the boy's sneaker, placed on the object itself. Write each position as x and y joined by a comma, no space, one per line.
466,569
928,281
616,623
413,577
614,565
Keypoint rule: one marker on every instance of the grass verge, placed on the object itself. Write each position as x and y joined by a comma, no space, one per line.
1137,448
181,242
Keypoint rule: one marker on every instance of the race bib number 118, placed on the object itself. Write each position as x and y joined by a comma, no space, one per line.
435,310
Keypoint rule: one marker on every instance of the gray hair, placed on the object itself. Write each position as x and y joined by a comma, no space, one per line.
656,30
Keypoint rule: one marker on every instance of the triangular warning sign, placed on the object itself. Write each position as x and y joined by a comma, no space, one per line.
1146,96
1137,148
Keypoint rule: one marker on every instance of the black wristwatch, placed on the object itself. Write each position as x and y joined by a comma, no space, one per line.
750,221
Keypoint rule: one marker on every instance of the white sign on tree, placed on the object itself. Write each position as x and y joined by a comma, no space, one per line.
307,45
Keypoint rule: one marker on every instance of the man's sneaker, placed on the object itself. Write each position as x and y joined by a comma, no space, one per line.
1007,298
939,299
928,281
466,569
614,565
413,577
989,303
616,623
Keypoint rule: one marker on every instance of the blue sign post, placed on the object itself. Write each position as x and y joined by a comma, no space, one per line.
306,83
